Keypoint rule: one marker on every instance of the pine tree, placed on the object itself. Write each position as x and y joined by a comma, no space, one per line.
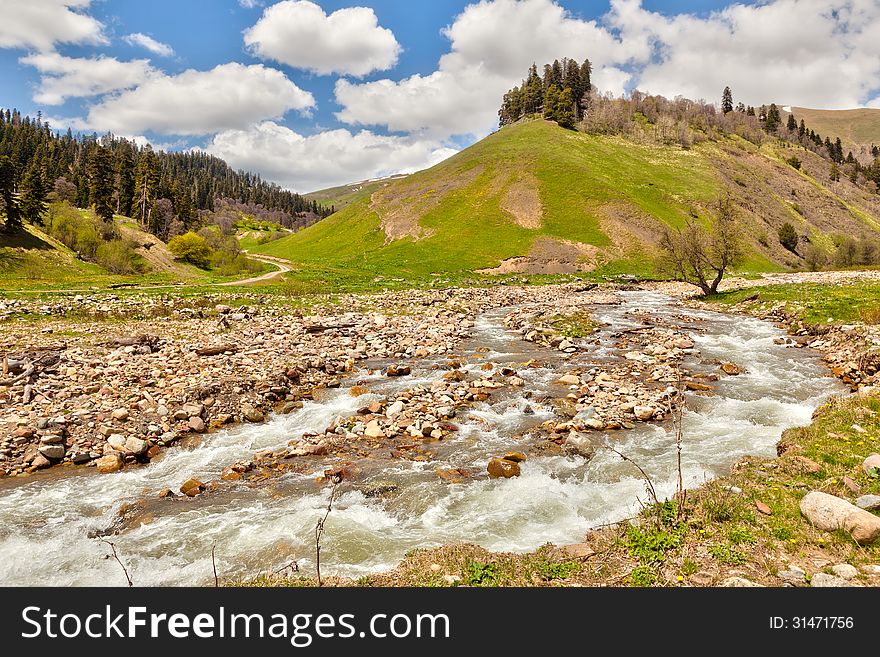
124,179
771,123
11,209
750,111
533,93
792,123
101,183
586,86
34,194
741,108
838,150
551,101
146,185
727,101
564,113
802,129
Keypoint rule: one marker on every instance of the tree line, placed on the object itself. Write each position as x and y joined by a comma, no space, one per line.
164,192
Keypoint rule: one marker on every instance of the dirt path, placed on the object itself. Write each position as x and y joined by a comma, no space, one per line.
282,264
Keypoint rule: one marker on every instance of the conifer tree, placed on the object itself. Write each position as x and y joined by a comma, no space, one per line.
727,101
771,123
34,194
802,129
792,123
101,186
124,179
12,221
146,185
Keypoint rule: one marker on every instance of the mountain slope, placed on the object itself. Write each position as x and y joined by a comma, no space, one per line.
339,197
855,127
534,197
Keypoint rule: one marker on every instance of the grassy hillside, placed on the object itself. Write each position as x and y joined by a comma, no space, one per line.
856,127
341,196
536,198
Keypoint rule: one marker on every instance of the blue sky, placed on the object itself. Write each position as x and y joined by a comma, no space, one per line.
318,93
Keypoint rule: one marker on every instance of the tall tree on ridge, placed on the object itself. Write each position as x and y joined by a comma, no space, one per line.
727,100
792,123
8,195
34,194
101,186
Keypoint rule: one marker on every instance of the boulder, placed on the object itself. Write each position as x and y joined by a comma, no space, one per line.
824,580
196,424
112,462
398,370
730,369
643,413
872,463
54,452
252,414
579,444
516,457
845,570
136,446
453,475
394,409
373,430
192,487
499,468
569,380
868,502
830,513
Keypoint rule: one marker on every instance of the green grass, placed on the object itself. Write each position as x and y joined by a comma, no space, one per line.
814,303
344,195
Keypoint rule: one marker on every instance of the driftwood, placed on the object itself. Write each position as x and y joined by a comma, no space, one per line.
11,366
320,328
216,349
132,340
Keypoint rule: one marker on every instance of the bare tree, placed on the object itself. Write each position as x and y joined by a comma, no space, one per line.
699,256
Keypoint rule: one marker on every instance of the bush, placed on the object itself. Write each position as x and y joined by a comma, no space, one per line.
119,257
191,248
794,162
788,237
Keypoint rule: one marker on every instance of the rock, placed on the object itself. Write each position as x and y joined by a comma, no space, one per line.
192,487
53,452
40,462
739,582
763,508
693,385
794,577
453,475
702,578
872,464
112,462
516,457
806,465
578,551
452,579
81,457
868,502
252,414
166,492
498,468
579,444
373,430
117,441
357,391
830,513
398,370
851,486
51,439
684,343
196,424
824,580
569,380
136,446
394,409
731,369
120,414
379,488
871,569
643,413
845,571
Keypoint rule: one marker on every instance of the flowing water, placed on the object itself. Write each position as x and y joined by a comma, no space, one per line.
45,523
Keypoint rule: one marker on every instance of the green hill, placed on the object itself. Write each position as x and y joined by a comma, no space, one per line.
339,197
536,198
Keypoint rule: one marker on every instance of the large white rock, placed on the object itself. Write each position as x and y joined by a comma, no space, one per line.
830,513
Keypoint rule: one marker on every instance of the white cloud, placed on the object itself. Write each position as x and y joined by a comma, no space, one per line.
325,159
250,4
814,53
492,45
149,43
40,24
349,41
228,97
67,77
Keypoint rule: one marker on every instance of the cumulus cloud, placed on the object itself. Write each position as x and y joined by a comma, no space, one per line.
814,53
492,44
40,24
349,41
326,159
149,43
67,77
228,97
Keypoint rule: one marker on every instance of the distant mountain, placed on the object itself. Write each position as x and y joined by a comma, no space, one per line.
534,197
